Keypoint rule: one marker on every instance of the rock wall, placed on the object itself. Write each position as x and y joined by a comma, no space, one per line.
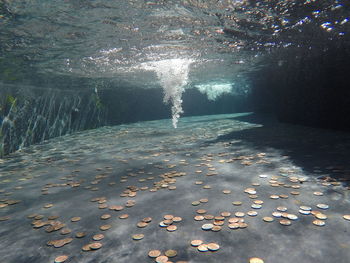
31,115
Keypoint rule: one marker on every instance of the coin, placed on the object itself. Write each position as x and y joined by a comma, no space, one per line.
282,209
201,211
162,259
196,242
256,206
171,228
168,217
321,216
124,216
225,214
306,208
252,213
256,260
199,218
274,196
213,246
75,219
216,228
208,217
318,193
195,203
48,205
80,234
138,236
346,217
226,191
202,248
233,226
95,245
98,237
258,202
105,227
242,225
170,253
177,219
65,231
268,219
295,193
167,222
304,212
61,259
322,206
292,217
285,222
203,200
237,203
207,226
318,222
154,253
147,219
239,214
105,216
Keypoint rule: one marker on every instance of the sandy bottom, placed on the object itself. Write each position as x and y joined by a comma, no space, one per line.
149,169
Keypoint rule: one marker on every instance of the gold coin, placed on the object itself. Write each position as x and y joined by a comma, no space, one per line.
162,259
256,260
282,209
170,253
102,206
98,237
213,246
201,211
321,216
105,227
142,224
318,222
171,228
61,259
177,219
274,196
124,216
80,234
225,214
219,218
147,219
195,203
95,245
226,191
168,217
318,193
167,222
207,187
75,219
202,248
237,203
346,217
268,219
285,222
154,253
138,236
258,202
199,218
198,182
284,196
203,200
295,193
196,242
